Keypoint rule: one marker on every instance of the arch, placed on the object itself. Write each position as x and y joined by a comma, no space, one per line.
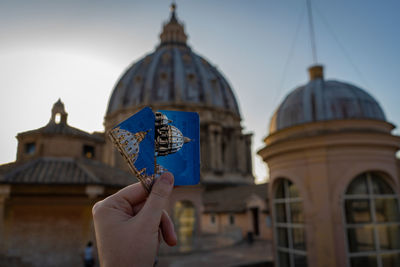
294,178
371,219
387,177
387,170
289,226
185,220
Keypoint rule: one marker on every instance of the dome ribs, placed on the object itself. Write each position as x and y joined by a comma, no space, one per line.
148,91
200,82
172,74
227,94
179,80
171,77
207,92
321,100
130,80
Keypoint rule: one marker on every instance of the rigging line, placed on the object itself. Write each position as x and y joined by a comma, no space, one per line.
312,32
341,46
290,56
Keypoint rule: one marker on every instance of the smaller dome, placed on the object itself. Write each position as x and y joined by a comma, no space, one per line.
323,100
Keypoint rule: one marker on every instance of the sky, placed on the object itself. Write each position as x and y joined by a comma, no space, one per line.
77,50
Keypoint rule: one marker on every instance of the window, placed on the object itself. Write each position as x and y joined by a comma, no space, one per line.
30,148
231,219
57,118
212,218
185,224
88,151
372,222
289,225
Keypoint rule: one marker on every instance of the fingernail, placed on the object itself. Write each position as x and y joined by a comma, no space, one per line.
167,178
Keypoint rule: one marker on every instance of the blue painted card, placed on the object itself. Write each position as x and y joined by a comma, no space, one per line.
184,163
155,142
134,139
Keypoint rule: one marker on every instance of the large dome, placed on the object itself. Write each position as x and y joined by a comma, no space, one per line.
173,74
323,100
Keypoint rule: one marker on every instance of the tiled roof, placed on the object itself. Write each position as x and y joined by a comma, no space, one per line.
63,129
51,171
232,199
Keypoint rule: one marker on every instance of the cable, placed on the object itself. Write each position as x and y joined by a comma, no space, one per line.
346,54
290,56
312,33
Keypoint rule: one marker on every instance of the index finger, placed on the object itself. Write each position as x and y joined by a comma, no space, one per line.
133,194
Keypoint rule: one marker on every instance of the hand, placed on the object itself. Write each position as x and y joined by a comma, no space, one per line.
129,228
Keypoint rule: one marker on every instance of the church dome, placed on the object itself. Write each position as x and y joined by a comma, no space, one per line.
323,100
173,75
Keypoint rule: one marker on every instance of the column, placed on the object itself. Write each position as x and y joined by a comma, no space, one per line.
214,132
4,194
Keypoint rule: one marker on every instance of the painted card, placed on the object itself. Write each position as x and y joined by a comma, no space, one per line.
185,162
155,142
134,139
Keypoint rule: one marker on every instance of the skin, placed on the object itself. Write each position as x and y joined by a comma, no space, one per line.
130,224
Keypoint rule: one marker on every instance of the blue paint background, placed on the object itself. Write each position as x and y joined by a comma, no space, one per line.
184,164
143,121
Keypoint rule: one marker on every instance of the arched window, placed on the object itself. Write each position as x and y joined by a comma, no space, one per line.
372,222
290,237
185,223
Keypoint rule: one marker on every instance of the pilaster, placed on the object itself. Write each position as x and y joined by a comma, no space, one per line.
4,194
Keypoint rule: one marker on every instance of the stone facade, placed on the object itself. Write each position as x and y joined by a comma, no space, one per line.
46,195
321,159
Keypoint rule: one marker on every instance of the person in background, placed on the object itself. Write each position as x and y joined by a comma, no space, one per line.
130,224
88,255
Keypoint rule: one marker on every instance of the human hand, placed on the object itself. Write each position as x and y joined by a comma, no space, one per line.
129,227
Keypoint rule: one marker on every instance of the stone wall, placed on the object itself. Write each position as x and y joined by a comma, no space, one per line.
47,231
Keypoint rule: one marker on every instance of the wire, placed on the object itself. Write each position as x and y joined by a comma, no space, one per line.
341,46
290,56
312,33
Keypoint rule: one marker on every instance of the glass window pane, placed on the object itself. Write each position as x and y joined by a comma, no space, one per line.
293,191
387,210
280,190
358,211
389,237
284,260
366,261
296,212
391,260
280,212
379,186
358,186
300,261
299,240
361,239
282,237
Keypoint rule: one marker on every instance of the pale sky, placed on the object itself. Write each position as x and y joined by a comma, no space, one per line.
77,50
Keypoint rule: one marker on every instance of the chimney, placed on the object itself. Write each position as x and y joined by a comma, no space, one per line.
316,72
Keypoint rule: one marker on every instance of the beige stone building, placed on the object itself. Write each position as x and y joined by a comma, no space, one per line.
46,195
237,211
334,178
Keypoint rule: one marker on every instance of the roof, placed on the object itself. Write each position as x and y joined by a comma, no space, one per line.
324,100
62,129
232,199
173,75
65,171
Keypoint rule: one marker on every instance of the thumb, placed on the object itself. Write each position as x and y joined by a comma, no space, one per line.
158,198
